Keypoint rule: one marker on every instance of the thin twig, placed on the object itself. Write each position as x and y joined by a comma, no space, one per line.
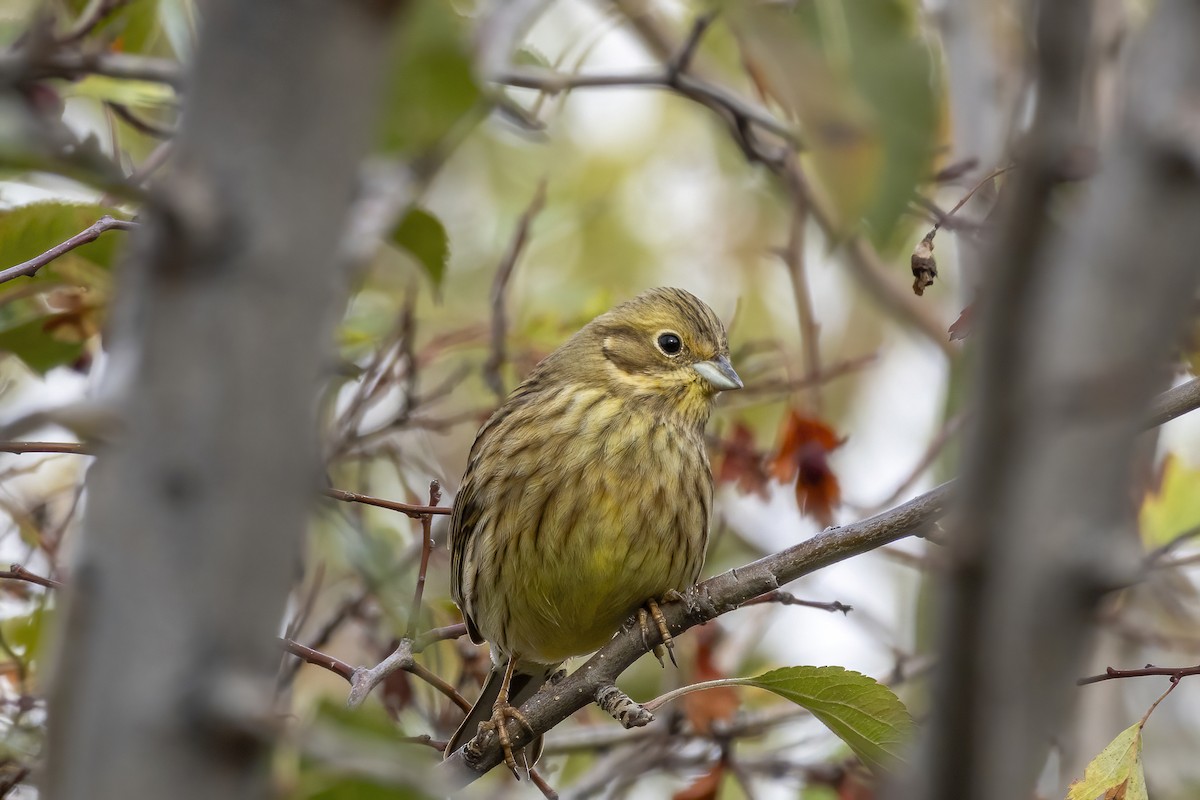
789,599
75,64
438,635
425,739
348,608
495,361
708,94
138,123
391,505
351,674
306,608
545,788
421,671
158,156
810,330
96,12
963,201
17,572
1174,403
943,437
435,496
311,656
90,234
11,781
22,448
1154,705
683,59
829,373
1174,673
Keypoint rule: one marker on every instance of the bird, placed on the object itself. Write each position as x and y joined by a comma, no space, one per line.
586,498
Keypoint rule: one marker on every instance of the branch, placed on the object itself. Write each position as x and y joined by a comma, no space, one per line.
146,126
74,448
390,505
491,368
364,680
21,448
710,95
734,589
435,494
789,599
92,16
710,599
17,65
1174,403
90,234
17,572
317,658
810,329
1174,673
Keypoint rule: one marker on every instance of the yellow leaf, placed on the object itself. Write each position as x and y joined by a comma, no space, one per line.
1116,773
140,94
1174,509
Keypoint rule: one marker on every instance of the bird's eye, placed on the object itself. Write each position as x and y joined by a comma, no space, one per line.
670,343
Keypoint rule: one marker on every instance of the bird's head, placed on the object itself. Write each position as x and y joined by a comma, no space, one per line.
664,345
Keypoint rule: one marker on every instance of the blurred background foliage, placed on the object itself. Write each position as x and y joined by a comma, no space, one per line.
586,197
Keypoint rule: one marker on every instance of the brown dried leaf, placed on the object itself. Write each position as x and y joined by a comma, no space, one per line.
742,463
804,457
924,265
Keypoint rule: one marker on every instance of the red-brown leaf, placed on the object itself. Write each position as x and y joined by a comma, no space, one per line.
804,457
741,463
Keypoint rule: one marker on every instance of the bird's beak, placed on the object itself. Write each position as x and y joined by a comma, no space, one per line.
719,373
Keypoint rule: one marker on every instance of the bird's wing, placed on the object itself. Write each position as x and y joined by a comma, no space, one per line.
470,511
463,522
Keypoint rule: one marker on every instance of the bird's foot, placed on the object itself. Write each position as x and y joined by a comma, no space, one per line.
651,611
502,712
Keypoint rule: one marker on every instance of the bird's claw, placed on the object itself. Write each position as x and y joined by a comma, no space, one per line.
502,712
652,611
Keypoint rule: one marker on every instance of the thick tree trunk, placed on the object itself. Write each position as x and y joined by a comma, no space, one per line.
1077,334
196,514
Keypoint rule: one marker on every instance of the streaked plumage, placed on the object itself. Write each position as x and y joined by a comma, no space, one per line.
589,492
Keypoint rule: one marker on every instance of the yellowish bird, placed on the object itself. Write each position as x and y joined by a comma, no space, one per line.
587,495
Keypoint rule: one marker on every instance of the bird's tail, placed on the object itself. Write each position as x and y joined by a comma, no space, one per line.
523,687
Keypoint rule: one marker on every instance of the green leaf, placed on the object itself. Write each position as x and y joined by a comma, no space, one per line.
26,634
894,69
1116,773
864,85
431,84
1173,509
36,343
371,720
422,236
864,713
133,28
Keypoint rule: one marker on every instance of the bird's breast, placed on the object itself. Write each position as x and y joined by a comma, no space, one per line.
612,510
